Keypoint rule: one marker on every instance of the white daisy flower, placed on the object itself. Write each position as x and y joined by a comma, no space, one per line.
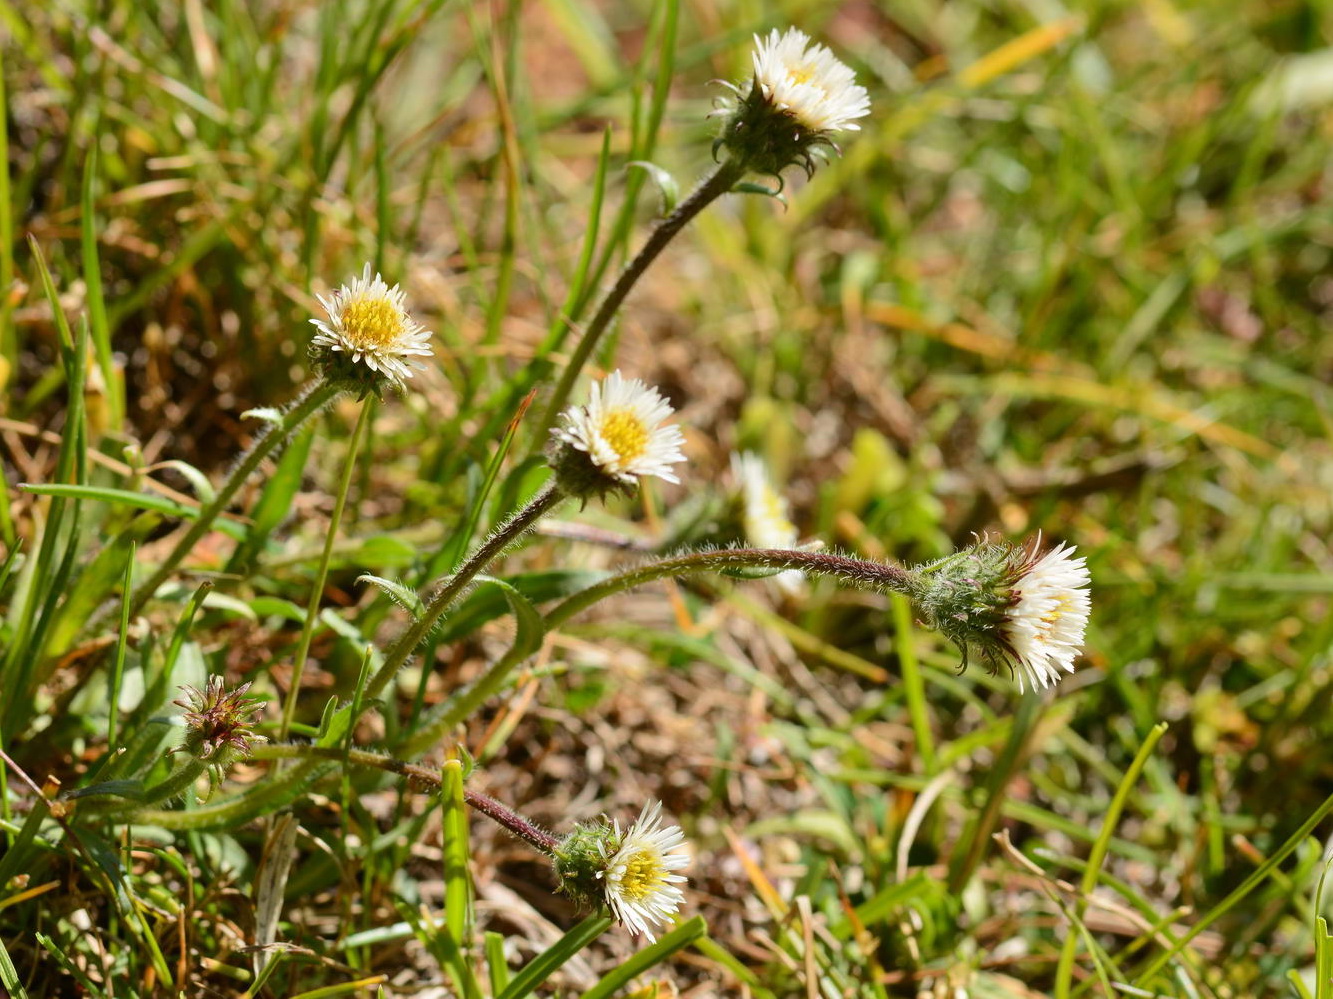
369,323
765,513
620,431
1044,626
807,81
638,880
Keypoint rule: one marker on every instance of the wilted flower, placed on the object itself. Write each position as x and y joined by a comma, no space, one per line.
631,872
799,97
764,513
218,725
615,439
1015,605
369,336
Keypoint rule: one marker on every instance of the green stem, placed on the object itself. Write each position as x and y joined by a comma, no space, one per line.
855,572
268,795
121,809
322,572
501,538
719,182
312,400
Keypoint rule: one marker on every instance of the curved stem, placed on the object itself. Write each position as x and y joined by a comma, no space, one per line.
270,794
322,572
312,400
501,538
483,803
719,182
855,572
172,786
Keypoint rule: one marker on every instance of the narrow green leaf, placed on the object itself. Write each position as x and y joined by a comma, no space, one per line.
122,640
457,883
404,596
92,278
9,976
678,939
666,184
749,187
496,966
199,482
545,964
124,497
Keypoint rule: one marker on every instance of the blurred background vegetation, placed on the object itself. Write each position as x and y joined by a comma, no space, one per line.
1074,276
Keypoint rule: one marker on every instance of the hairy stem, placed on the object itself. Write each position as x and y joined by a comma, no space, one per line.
854,572
488,806
501,538
719,182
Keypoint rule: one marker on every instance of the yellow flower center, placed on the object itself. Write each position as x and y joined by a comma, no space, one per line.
370,322
625,434
772,513
642,876
1052,616
799,74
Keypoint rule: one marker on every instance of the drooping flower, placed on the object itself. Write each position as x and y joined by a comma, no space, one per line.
764,513
632,872
1013,603
616,439
369,337
800,96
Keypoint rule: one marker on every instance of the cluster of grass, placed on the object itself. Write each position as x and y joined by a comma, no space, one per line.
1072,277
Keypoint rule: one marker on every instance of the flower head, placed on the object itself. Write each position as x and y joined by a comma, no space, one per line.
639,882
807,82
218,725
615,439
799,96
764,513
631,871
1044,624
1015,604
369,336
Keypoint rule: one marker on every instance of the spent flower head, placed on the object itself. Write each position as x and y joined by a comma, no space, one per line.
799,97
218,725
615,439
632,872
764,513
1014,603
369,338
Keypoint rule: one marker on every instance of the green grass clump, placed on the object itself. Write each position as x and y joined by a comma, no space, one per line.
1072,277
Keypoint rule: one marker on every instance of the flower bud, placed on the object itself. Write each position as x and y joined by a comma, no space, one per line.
217,722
